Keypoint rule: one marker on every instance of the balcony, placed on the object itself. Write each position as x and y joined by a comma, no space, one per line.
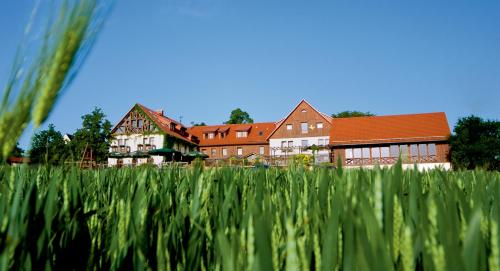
391,160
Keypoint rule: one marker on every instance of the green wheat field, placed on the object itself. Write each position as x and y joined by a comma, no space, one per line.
248,219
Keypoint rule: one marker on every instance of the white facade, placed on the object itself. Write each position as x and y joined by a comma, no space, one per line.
276,147
132,141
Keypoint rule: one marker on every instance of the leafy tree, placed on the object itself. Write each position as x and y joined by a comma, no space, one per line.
239,116
476,143
17,152
96,132
198,124
350,114
47,147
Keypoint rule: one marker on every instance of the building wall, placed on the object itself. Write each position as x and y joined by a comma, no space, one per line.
276,150
311,116
442,151
136,139
232,150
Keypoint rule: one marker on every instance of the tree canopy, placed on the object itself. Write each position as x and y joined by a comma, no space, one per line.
17,152
96,132
198,124
239,116
47,147
350,114
476,143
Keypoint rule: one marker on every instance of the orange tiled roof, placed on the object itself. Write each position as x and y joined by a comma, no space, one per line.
257,134
390,129
164,122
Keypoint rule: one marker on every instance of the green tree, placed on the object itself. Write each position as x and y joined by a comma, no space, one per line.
47,147
476,143
350,114
198,124
239,116
95,133
17,152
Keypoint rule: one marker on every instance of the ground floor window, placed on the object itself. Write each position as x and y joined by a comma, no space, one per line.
415,151
261,150
239,151
224,152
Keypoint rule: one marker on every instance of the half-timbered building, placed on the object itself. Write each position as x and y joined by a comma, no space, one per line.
420,139
141,131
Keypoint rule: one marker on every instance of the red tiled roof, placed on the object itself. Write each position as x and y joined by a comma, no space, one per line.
164,124
257,134
389,129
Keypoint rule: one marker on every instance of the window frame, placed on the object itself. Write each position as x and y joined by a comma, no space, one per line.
302,126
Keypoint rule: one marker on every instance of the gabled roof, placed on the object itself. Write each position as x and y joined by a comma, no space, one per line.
162,122
280,122
390,129
257,134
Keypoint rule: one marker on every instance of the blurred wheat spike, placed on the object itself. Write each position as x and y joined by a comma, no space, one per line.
50,55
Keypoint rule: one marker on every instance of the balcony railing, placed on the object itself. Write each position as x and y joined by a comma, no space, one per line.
390,160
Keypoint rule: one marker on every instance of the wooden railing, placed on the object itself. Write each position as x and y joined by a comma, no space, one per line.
390,160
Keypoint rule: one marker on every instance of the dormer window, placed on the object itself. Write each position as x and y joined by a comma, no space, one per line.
222,135
211,135
172,126
242,134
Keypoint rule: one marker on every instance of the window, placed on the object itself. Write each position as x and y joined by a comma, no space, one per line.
134,124
211,135
321,142
394,151
384,152
422,148
224,152
125,142
305,143
290,144
261,150
239,151
145,141
319,125
139,123
241,134
404,151
303,111
289,127
260,133
366,152
152,140
283,144
432,149
414,150
204,151
303,127
214,152
376,152
120,142
357,152
222,135
348,153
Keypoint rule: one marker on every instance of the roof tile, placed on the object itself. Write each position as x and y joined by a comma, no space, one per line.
393,128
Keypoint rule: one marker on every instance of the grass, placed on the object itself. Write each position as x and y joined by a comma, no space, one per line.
236,219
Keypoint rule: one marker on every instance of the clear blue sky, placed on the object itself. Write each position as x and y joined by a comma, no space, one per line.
202,58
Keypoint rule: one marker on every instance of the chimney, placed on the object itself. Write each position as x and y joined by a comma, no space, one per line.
159,112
